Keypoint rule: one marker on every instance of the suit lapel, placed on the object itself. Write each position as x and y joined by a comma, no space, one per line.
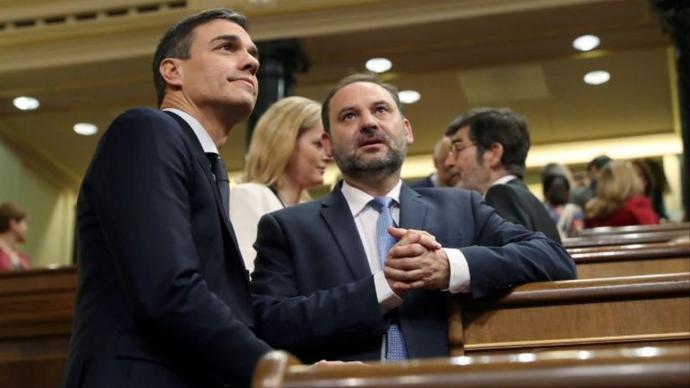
336,213
205,165
412,209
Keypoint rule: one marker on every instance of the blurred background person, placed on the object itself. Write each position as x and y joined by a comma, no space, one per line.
287,156
442,177
568,217
619,199
13,230
655,183
581,195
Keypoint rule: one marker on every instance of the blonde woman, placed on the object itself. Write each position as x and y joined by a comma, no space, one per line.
620,199
286,157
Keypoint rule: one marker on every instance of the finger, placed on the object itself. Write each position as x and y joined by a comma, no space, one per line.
409,250
404,264
397,275
397,233
429,242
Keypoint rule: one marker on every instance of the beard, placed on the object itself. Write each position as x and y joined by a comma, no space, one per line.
352,164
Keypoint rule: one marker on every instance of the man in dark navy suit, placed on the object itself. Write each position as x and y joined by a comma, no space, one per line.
488,151
163,298
327,283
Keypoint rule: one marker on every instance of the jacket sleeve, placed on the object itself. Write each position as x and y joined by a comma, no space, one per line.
302,322
507,254
143,175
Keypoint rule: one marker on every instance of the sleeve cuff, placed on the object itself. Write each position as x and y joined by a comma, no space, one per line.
459,271
388,300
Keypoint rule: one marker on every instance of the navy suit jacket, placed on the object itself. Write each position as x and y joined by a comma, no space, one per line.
314,292
163,297
421,183
514,202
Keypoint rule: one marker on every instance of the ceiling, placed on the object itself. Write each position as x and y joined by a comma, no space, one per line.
457,54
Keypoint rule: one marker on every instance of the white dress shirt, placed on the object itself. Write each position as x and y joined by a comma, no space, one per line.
366,217
207,143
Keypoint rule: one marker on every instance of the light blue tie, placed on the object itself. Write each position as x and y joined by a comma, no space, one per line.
395,344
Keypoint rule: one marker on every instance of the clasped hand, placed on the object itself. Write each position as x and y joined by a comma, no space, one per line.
416,261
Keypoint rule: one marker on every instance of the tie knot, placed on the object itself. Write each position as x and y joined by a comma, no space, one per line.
380,203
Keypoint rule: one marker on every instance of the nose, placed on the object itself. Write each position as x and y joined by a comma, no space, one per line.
326,149
250,64
368,120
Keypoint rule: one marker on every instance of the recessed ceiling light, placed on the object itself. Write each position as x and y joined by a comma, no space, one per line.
597,77
379,65
586,42
86,129
26,103
409,96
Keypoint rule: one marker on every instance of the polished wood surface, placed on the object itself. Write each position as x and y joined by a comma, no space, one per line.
608,230
623,239
637,367
35,321
620,311
632,259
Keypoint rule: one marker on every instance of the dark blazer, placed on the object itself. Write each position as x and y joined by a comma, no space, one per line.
314,292
163,297
424,182
514,202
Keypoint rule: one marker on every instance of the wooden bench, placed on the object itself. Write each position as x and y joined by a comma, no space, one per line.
624,239
591,313
640,367
632,259
35,322
611,230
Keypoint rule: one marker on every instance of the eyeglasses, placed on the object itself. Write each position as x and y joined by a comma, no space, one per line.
456,146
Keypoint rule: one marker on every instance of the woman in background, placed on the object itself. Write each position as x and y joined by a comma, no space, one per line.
286,157
568,217
654,182
13,231
620,199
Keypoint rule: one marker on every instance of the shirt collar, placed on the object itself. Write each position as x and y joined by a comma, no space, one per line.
207,143
358,200
503,180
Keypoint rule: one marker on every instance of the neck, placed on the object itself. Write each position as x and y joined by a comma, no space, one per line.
8,242
217,121
375,185
290,192
494,175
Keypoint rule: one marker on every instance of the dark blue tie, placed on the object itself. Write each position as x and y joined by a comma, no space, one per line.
395,342
221,176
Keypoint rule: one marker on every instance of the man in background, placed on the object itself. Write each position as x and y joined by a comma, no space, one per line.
439,178
488,151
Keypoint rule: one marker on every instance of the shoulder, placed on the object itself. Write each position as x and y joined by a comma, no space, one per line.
448,200
145,123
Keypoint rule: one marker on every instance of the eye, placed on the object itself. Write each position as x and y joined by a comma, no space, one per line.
381,109
348,116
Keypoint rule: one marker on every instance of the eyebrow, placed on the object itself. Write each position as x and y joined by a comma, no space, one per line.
252,49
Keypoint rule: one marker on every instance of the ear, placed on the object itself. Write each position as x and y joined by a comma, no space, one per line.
171,71
407,126
493,156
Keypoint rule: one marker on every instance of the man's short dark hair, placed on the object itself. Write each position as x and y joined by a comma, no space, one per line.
178,39
556,189
488,126
10,212
599,162
359,77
